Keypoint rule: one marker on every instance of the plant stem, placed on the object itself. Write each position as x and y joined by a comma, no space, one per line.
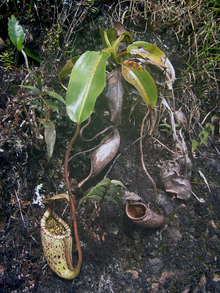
28,118
143,165
72,202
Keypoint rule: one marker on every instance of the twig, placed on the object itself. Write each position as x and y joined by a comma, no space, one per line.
175,153
205,180
98,134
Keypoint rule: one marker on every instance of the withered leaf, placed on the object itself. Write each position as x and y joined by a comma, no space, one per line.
115,96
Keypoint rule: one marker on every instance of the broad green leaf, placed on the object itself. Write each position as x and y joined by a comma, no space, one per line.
15,31
32,88
31,54
149,51
68,67
87,81
56,96
19,44
141,79
50,137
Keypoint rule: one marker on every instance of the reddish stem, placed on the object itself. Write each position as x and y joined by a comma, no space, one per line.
72,202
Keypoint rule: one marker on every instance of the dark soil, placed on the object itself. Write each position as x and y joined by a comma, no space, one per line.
118,256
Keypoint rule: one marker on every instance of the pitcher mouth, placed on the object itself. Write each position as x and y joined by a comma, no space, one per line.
136,210
64,228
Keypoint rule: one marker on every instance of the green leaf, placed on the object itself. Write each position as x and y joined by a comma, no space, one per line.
87,81
117,182
104,182
126,37
194,145
108,37
111,199
141,79
32,88
52,104
50,137
112,35
107,188
98,192
19,44
118,196
56,96
94,197
149,51
49,103
203,135
15,31
89,198
115,189
114,193
31,54
68,67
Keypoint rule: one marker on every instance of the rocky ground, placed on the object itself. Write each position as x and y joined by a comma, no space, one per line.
118,256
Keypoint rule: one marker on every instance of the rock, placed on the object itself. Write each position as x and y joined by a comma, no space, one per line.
216,278
173,235
155,265
201,288
155,287
166,275
165,202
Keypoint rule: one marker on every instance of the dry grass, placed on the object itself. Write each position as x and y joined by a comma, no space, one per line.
196,26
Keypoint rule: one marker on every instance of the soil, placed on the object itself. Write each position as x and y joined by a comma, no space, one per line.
183,255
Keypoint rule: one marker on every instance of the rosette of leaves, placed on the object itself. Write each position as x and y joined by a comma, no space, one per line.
87,79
